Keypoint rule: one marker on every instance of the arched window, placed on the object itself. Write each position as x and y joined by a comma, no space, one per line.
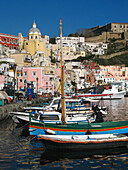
5,40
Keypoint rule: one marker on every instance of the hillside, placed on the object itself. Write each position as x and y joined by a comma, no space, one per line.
115,48
117,60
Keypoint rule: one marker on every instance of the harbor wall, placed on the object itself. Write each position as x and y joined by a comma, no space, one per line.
6,109
17,106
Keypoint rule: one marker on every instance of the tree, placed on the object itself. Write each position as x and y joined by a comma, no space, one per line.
52,40
73,35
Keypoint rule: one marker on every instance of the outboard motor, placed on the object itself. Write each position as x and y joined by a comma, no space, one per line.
36,115
97,112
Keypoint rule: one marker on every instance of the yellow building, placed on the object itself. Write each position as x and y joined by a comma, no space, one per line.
34,43
22,59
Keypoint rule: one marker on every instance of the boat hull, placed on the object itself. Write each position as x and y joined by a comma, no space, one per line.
109,96
89,144
82,128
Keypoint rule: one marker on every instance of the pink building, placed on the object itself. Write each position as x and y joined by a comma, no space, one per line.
2,81
30,75
114,73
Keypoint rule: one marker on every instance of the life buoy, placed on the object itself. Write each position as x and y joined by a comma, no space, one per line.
107,87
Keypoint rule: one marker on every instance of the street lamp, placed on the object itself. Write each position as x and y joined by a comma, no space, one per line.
14,70
37,85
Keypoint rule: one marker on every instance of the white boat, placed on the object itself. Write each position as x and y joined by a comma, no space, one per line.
108,93
83,104
76,110
81,142
51,117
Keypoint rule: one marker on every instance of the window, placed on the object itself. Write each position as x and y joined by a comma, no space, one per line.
5,45
17,74
10,41
5,40
25,73
31,37
36,37
14,47
46,83
14,41
34,74
49,117
20,80
25,81
17,42
26,43
10,47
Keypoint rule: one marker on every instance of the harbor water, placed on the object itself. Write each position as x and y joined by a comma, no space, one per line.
20,151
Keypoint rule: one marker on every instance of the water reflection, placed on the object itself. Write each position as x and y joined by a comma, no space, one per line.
19,151
116,157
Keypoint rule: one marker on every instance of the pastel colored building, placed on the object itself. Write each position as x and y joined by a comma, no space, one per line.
30,75
2,81
11,41
111,74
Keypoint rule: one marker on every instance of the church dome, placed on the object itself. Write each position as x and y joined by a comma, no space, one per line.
34,30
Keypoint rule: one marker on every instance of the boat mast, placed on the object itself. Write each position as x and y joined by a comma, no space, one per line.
62,78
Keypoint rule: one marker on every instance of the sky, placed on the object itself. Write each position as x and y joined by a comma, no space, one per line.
18,15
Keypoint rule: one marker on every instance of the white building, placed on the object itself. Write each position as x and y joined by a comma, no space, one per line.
96,48
70,41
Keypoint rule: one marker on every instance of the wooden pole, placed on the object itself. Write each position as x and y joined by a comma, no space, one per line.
62,78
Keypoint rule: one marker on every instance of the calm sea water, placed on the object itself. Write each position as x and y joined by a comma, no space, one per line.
19,151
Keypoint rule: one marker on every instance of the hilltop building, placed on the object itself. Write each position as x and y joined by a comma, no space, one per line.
70,41
107,32
34,43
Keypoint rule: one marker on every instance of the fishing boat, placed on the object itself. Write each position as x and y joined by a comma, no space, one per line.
53,117
79,128
83,142
71,104
108,93
76,110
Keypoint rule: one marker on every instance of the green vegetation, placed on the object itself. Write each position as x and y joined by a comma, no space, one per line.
75,35
117,60
87,57
53,60
2,62
52,40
